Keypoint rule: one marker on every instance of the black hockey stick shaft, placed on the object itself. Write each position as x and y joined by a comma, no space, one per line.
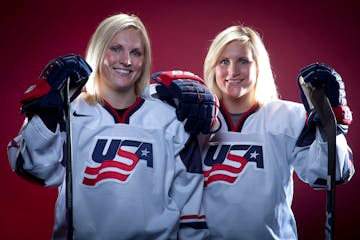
69,195
328,126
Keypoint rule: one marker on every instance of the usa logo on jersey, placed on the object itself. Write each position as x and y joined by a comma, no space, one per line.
116,159
225,162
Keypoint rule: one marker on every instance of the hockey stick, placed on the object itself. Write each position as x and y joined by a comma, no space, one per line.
328,126
69,195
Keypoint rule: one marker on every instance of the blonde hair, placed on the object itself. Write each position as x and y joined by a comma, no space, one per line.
265,88
99,43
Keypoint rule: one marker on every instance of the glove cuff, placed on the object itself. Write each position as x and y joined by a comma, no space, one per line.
50,120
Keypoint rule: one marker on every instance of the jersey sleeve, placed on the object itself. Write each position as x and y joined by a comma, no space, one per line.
29,155
307,150
311,159
187,191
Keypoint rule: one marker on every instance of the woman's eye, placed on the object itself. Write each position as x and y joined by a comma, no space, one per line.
224,62
115,49
136,53
244,61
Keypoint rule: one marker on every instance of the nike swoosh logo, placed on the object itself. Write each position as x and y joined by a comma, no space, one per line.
75,114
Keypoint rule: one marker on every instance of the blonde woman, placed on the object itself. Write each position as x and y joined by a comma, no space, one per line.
135,175
249,163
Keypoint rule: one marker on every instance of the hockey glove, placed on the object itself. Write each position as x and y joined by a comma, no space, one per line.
193,101
319,74
45,96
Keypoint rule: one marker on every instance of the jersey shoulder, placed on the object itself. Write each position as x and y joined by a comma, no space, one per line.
161,115
284,117
283,108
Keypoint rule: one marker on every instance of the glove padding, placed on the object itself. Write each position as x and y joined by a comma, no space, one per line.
192,99
319,74
46,94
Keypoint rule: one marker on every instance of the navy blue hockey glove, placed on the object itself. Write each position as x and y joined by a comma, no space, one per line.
319,74
45,96
193,101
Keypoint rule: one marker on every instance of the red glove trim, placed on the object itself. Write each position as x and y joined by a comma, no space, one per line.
343,114
167,77
37,90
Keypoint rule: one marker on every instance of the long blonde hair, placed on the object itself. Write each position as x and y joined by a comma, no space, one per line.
265,88
99,43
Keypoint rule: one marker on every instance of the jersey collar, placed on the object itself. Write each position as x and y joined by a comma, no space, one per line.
127,113
240,123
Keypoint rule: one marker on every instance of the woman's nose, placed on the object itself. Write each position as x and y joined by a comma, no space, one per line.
232,70
126,59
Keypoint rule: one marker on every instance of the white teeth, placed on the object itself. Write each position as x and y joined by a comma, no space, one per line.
122,71
233,80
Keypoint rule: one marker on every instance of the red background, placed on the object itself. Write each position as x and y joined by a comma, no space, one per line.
295,34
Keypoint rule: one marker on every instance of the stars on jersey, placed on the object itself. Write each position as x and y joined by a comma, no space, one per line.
225,162
116,159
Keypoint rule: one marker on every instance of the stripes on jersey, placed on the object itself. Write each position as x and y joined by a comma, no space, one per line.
109,169
193,221
225,163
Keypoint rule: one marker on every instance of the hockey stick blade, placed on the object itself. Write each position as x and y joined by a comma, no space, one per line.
328,125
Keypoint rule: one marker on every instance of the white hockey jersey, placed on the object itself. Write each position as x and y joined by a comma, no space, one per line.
138,176
248,170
